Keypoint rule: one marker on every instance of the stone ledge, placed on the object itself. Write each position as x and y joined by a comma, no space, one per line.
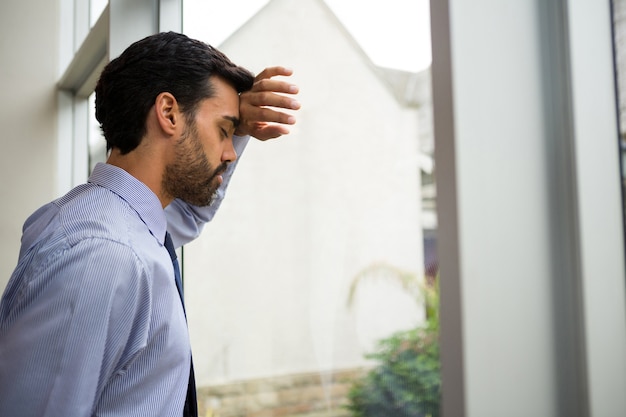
300,395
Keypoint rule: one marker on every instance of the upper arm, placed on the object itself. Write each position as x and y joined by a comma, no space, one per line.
70,328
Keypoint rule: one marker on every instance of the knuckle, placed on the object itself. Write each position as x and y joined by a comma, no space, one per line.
262,83
267,114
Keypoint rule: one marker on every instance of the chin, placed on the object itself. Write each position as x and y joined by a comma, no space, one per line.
208,200
214,196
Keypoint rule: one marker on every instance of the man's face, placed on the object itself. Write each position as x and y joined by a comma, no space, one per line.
205,148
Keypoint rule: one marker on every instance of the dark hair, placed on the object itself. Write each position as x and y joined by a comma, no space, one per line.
165,62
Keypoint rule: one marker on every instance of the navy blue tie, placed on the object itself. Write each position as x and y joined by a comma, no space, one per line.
191,403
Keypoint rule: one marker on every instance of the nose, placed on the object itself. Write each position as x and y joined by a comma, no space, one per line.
229,154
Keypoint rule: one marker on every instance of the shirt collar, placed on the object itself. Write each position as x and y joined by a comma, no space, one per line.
135,193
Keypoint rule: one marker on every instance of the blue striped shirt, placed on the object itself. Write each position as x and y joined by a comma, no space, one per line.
91,322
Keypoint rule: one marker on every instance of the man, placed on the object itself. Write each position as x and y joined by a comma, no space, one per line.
91,321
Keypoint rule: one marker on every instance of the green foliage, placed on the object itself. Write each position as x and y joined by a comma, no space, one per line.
406,381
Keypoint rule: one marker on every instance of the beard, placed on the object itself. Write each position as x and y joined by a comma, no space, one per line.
191,177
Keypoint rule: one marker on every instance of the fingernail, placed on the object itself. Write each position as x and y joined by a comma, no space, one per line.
293,88
295,104
291,120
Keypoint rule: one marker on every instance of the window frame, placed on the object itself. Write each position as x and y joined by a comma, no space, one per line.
84,52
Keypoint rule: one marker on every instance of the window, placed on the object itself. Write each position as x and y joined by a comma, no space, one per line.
318,251
85,53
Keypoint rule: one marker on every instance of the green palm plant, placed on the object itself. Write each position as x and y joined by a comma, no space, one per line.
406,380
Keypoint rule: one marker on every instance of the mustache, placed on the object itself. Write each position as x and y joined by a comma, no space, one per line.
218,171
221,168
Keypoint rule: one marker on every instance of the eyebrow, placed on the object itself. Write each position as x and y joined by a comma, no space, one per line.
235,121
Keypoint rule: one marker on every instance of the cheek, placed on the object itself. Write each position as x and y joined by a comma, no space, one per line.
213,148
202,145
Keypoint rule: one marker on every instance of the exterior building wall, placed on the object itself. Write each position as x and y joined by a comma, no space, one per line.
268,282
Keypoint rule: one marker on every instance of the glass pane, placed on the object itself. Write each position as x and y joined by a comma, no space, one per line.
96,7
326,241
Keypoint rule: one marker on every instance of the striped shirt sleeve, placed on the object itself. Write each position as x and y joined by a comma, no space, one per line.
77,318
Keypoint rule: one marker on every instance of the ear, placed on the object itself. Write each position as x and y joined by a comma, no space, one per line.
168,113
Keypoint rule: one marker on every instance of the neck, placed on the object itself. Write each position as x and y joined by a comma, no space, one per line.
145,167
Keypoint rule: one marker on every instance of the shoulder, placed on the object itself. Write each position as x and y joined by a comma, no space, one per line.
87,278
92,266
96,212
89,241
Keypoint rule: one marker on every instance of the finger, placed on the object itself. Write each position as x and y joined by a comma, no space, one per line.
278,86
263,131
269,115
270,72
261,99
270,131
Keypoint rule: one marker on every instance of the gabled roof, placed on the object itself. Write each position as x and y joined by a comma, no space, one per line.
409,88
412,89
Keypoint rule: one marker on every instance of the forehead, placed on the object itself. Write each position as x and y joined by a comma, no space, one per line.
221,107
224,94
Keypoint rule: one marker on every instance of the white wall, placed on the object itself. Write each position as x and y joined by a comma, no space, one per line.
28,73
